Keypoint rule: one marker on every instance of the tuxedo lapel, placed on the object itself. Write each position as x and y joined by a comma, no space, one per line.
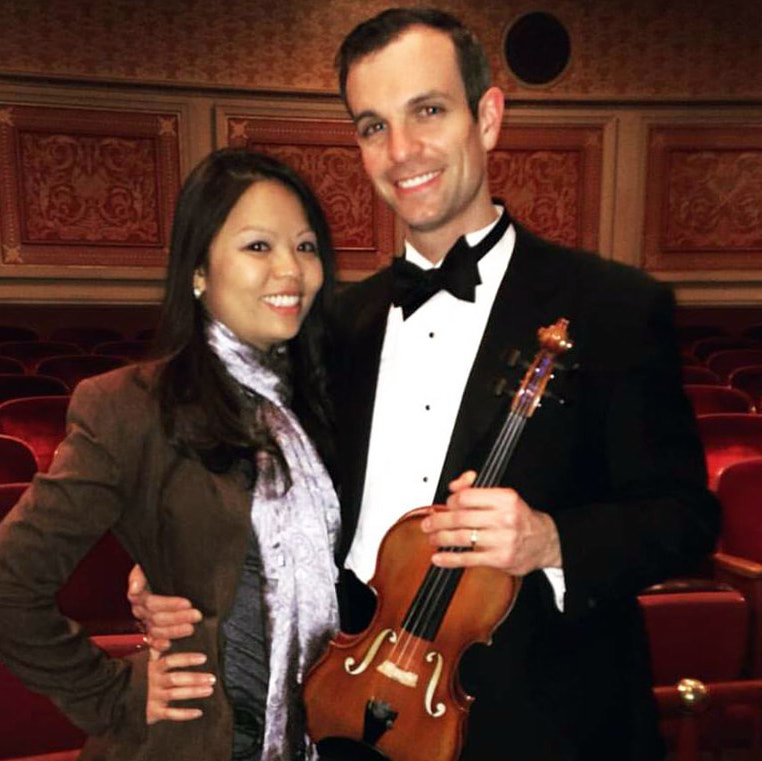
363,324
528,298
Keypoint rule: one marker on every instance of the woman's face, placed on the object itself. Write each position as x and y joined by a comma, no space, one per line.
263,267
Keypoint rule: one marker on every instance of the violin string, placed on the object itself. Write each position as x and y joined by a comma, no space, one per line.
434,593
434,588
494,471
496,460
416,616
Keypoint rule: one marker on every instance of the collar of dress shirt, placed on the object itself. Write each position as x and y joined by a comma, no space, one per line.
472,238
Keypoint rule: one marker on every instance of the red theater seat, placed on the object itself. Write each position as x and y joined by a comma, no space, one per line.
17,333
739,561
29,353
699,375
96,593
86,336
706,346
30,725
729,437
17,386
753,331
719,619
10,366
687,335
131,350
146,334
39,421
9,496
718,721
698,642
724,362
748,379
72,369
708,399
17,460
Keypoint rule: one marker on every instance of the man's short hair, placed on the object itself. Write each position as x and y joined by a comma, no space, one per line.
376,33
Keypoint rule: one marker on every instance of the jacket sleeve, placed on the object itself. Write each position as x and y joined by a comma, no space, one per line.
655,518
58,519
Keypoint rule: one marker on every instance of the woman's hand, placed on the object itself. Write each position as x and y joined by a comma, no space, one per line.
165,684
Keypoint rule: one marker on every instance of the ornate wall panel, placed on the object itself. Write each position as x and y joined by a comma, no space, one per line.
325,152
550,177
703,198
86,187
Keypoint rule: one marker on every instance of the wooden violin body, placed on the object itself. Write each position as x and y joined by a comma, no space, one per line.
394,669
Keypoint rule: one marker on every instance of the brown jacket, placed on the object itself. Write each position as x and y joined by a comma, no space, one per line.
187,527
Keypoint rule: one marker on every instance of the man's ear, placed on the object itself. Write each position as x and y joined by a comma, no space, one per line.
490,113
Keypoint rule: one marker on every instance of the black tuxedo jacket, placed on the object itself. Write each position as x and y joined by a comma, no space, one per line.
618,466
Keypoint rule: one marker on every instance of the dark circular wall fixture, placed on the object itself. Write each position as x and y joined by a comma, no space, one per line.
537,48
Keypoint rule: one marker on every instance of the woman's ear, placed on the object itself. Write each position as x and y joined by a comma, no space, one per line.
199,283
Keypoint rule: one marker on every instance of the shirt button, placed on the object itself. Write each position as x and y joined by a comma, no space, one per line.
431,335
427,407
425,479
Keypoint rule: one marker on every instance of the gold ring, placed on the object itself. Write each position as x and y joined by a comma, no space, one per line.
474,537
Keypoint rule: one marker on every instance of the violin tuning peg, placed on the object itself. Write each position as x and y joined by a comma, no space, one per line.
501,386
511,357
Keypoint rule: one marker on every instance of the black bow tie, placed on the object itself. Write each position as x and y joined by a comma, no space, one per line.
459,273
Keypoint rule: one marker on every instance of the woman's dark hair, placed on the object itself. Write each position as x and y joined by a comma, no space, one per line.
202,409
376,33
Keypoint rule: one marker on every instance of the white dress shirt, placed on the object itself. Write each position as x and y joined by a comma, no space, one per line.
425,363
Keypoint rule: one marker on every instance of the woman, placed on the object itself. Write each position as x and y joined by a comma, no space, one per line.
200,465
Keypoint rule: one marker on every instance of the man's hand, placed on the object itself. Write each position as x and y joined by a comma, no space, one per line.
165,685
163,618
509,534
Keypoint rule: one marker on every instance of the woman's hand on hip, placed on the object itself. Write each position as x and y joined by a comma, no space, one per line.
167,683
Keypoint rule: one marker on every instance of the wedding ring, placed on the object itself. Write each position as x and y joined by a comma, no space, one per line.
474,537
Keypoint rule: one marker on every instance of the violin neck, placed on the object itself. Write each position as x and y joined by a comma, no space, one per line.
502,449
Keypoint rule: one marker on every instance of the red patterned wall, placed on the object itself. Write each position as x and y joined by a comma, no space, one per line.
550,177
86,187
628,48
704,198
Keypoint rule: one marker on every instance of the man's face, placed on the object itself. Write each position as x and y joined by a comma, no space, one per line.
421,146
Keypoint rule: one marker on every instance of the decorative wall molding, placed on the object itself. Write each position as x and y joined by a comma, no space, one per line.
550,177
703,198
86,187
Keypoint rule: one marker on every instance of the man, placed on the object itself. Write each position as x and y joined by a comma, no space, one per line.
603,496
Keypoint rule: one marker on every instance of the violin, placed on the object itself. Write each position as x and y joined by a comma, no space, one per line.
391,693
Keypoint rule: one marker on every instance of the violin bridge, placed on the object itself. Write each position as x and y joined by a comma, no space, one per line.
393,671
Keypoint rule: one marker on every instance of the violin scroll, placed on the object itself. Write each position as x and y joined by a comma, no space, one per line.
554,340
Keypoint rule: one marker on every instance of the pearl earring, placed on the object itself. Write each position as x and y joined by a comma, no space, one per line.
197,292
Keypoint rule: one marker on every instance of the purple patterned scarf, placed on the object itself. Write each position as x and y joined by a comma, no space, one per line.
297,532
